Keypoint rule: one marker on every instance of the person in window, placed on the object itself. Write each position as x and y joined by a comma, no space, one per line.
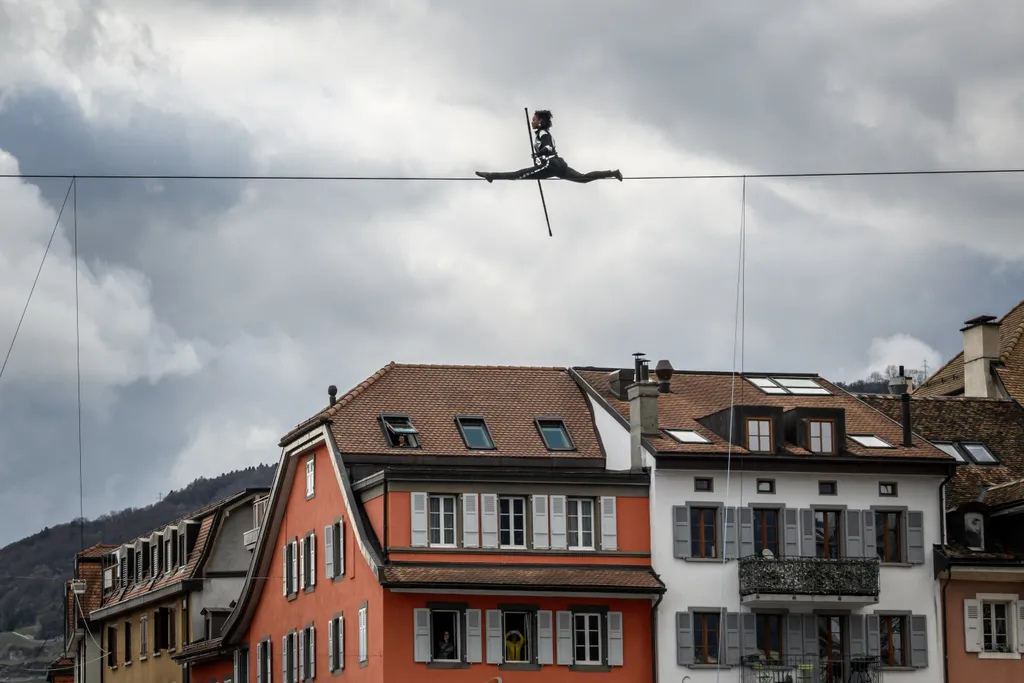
446,647
546,162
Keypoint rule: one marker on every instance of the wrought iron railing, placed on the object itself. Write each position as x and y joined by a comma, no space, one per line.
806,669
854,576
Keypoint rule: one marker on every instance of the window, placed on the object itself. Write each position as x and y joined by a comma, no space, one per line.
138,566
474,433
309,561
363,653
307,653
766,530
442,520
518,636
111,647
242,665
827,488
555,435
182,555
950,449
769,637
586,638
400,431
143,635
154,562
974,530
889,536
704,484
887,489
826,533
980,454
336,643
759,436
870,441
996,626
127,642
168,554
512,522
705,638
580,521
445,634
820,433
801,386
703,532
334,549
259,510
892,646
766,486
687,436
310,475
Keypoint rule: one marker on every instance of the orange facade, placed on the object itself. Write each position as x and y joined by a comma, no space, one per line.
965,634
211,671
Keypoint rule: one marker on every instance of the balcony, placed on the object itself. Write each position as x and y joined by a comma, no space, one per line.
784,581
798,669
259,511
249,538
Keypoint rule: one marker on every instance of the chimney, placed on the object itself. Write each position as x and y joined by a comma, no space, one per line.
981,348
643,410
663,370
332,391
900,385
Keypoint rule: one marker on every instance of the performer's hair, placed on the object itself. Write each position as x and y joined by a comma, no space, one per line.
545,117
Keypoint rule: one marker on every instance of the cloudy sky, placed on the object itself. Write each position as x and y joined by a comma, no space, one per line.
215,313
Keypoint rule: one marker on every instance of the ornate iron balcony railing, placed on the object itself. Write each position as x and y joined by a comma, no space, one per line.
808,669
853,576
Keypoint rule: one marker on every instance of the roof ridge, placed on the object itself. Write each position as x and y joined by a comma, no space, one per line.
355,391
1005,483
1014,337
448,366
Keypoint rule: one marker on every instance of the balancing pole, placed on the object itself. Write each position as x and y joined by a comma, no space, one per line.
529,136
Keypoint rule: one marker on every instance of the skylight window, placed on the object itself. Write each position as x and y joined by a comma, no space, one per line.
870,441
799,386
474,433
555,434
979,453
400,431
767,386
687,436
950,449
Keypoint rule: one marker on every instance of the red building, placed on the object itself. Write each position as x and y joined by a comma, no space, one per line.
454,523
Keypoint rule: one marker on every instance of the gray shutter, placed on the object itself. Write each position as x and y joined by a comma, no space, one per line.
808,548
868,529
609,524
854,546
234,662
545,638
302,564
563,629
489,520
312,558
556,510
858,646
915,537
729,541
295,656
330,645
294,582
470,520
495,643
284,574
474,637
540,522
746,532
339,540
329,551
284,659
681,530
302,655
871,635
810,635
732,639
748,634
419,520
421,635
919,640
615,639
794,642
684,639
259,662
311,644
791,532
341,642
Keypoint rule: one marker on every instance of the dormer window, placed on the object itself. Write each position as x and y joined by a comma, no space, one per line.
400,431
974,530
475,433
759,435
555,434
821,436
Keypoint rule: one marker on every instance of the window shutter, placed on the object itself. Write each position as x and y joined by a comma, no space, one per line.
729,530
295,656
748,626
295,567
919,640
421,635
311,644
331,625
234,663
681,530
854,546
556,512
732,638
810,634
540,522
341,642
312,560
684,639
871,631
615,639
470,520
268,665
489,520
746,532
563,623
419,520
791,532
302,563
495,642
329,552
302,655
915,537
1018,609
474,637
545,638
259,663
858,644
340,541
284,574
868,527
172,629
364,654
609,526
794,643
807,544
284,659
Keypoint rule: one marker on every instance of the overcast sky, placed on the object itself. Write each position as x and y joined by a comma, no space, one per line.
214,314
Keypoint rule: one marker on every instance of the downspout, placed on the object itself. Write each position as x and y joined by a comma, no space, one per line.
945,630
654,638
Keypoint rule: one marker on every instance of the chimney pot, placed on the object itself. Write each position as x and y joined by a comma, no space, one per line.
663,371
332,392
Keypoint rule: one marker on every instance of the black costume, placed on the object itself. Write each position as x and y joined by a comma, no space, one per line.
547,164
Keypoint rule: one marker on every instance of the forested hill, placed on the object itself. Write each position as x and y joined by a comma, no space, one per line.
47,557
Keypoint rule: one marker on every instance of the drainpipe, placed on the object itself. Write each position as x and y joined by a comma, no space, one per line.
654,638
945,630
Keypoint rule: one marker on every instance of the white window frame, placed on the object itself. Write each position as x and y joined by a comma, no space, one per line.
1012,635
456,636
823,439
576,503
441,498
310,475
600,645
511,517
759,436
530,619
364,655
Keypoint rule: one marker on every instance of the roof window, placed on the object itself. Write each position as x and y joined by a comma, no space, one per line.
475,433
799,386
400,431
555,434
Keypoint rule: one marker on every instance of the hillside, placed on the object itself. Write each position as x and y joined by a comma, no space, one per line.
35,568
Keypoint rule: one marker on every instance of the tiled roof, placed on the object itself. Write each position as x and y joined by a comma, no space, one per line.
548,577
509,399
997,424
695,395
98,550
199,650
1005,494
949,379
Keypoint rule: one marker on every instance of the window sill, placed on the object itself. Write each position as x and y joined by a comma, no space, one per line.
127,663
309,589
580,550
364,663
896,564
519,666
709,666
998,655
447,665
156,654
142,658
292,596
590,667
717,560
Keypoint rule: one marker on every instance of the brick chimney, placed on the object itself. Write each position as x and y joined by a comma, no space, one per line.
981,348
643,410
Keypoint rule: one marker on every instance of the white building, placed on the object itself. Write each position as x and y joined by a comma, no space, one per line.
791,523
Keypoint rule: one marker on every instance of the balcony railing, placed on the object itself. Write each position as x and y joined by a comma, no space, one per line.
249,537
821,576
805,669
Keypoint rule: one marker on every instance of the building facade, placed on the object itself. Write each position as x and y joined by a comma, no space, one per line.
791,523
450,523
82,595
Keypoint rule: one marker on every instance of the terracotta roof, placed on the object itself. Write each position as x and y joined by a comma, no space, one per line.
199,650
98,550
526,577
996,423
695,395
1005,494
509,399
949,379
